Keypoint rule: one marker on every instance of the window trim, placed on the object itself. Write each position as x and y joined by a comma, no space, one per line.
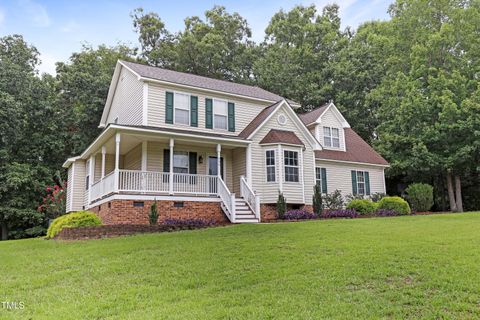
297,166
188,161
214,100
189,108
364,193
318,178
331,137
274,166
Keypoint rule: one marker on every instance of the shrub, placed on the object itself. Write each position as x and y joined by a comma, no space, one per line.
394,203
72,220
281,205
386,213
377,196
333,201
153,215
299,215
342,213
350,197
317,200
420,196
363,206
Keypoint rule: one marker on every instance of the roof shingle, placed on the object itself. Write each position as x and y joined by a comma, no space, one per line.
312,116
357,150
281,136
201,82
258,120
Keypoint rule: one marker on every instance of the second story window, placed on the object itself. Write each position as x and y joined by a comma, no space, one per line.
331,137
291,166
220,114
182,108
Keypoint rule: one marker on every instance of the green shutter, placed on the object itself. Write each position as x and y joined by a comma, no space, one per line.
166,160
169,107
231,116
193,111
367,183
192,162
208,113
324,180
354,182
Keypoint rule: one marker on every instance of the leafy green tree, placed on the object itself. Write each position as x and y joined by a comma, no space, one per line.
82,87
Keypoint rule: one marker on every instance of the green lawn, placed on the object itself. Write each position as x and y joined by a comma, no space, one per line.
402,267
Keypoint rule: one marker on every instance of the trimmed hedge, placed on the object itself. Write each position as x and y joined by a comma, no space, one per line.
362,206
420,196
394,203
72,220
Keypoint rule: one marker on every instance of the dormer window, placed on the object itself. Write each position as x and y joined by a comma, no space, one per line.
220,114
182,108
331,137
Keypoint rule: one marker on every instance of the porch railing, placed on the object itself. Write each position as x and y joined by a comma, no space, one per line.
252,200
228,199
103,187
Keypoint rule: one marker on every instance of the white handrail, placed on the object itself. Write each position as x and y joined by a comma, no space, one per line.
252,200
228,199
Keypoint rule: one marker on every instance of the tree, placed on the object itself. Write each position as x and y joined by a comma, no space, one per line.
219,46
429,99
82,88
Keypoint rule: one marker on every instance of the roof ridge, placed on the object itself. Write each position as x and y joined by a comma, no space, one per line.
199,76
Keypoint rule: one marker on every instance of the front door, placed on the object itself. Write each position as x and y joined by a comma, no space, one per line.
213,171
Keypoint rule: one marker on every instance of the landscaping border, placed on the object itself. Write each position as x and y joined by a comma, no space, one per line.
108,231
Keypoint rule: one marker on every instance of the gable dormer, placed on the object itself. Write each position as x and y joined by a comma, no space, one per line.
328,126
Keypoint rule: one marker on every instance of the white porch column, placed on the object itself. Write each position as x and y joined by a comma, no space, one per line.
280,168
90,179
117,161
144,155
170,186
104,151
249,164
219,167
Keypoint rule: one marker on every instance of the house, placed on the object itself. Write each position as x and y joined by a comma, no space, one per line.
212,149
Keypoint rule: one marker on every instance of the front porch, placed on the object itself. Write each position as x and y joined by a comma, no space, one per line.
161,165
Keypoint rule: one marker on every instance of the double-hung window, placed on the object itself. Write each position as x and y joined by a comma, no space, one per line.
321,178
331,137
290,159
182,108
270,165
180,162
361,182
220,114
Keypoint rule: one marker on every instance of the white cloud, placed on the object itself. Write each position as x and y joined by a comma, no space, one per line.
47,64
71,26
36,12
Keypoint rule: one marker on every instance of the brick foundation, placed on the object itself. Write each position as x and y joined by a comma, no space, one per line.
124,211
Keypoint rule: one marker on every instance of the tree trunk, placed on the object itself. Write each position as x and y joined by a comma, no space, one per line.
451,193
4,231
458,193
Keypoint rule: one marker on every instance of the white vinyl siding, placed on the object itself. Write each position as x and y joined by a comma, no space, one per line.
293,191
127,102
330,140
245,110
239,167
76,186
340,178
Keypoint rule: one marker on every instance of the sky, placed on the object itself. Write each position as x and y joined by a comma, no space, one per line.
59,28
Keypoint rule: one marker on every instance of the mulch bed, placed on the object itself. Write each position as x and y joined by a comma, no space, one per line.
108,231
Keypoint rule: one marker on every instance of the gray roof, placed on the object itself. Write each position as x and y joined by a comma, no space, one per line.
201,82
312,116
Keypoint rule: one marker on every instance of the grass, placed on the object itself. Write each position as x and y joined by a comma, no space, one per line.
401,267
